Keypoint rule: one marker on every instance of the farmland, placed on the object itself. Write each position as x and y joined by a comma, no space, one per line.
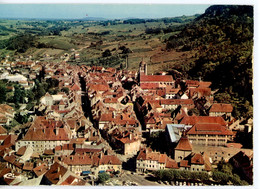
143,39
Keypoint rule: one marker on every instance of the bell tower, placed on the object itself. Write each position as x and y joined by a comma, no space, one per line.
142,68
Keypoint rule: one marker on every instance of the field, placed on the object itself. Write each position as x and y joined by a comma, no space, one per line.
92,38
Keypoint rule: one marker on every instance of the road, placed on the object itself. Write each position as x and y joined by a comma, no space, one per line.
139,179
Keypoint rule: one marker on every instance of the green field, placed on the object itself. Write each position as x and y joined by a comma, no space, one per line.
90,39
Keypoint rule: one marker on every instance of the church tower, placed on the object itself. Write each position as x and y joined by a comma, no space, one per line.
142,68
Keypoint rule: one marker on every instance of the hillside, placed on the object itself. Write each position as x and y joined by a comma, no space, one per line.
223,40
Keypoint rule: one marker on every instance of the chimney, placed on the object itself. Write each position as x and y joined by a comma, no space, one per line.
58,170
131,136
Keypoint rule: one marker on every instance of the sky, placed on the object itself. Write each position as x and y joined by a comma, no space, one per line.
108,11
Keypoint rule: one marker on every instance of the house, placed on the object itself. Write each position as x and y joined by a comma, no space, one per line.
207,130
183,149
196,162
45,134
161,80
56,175
220,109
147,160
243,166
174,103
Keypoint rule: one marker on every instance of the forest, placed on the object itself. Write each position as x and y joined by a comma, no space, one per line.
223,40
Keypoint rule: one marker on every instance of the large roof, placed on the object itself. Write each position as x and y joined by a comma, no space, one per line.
219,107
209,128
192,120
184,144
156,78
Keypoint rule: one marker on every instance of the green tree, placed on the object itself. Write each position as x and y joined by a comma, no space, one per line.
19,95
103,177
220,177
52,82
30,95
65,89
106,53
21,118
3,93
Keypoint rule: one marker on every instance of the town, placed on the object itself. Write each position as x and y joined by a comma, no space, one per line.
94,125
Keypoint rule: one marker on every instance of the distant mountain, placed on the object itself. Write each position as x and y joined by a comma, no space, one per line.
94,19
223,40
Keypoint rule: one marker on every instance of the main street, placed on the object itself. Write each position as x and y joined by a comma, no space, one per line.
139,179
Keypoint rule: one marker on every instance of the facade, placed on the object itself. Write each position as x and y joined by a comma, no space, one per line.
209,134
183,149
147,160
218,109
45,134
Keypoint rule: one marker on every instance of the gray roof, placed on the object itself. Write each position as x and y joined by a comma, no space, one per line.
174,131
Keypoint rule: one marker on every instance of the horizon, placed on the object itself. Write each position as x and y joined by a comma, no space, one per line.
106,11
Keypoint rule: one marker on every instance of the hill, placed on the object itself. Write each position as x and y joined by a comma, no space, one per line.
223,40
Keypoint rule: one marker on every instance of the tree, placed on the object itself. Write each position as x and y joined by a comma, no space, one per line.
30,95
18,95
52,82
185,174
21,118
225,167
65,90
106,53
220,177
159,174
103,177
3,93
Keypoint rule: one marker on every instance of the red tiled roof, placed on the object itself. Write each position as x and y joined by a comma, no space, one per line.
197,159
219,107
110,160
177,101
106,117
28,166
149,85
86,150
162,158
171,164
141,155
184,144
2,130
55,172
110,100
71,180
21,150
202,91
192,120
43,129
72,123
184,163
42,169
206,128
99,87
75,87
156,78
77,160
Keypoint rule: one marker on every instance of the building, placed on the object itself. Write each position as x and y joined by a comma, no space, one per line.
219,109
45,134
183,149
147,160
208,131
